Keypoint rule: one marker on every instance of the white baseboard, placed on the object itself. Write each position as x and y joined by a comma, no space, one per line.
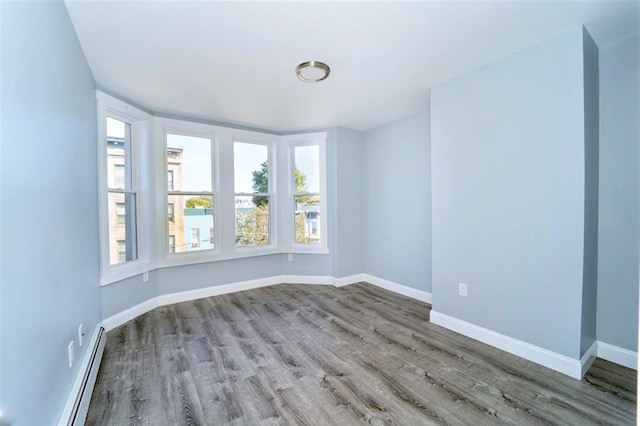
184,296
569,366
398,288
618,355
351,279
120,318
588,358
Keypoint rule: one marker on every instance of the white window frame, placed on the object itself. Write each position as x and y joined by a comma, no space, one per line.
282,223
272,194
163,127
288,216
141,128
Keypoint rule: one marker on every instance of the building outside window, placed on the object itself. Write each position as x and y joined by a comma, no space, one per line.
122,251
189,190
119,176
122,196
120,213
195,237
172,244
170,185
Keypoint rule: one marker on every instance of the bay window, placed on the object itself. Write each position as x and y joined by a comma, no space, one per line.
218,193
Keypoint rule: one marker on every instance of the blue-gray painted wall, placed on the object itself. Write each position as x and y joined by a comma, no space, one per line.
591,138
508,187
50,262
349,211
396,213
619,212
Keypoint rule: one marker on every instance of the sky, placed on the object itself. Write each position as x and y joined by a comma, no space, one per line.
248,157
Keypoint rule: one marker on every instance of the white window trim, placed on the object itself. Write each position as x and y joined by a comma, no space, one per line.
150,155
140,136
272,192
288,216
164,126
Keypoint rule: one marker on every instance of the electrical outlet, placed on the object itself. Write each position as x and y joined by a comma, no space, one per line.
70,353
80,334
462,289
290,257
145,277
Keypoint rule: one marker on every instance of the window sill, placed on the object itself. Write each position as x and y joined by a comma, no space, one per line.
125,271
182,259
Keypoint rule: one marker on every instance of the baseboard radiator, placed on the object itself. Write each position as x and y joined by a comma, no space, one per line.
75,412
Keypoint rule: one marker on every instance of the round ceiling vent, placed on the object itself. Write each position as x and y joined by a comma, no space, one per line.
312,71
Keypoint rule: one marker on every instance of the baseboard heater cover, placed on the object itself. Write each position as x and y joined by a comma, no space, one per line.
75,412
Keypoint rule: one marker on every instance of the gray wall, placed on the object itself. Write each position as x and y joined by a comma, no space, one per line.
508,190
618,206
49,209
591,137
397,201
347,249
122,295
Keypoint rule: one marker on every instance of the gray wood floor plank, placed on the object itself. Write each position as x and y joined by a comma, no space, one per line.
319,355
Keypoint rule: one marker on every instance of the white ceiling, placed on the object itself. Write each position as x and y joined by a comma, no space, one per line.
235,62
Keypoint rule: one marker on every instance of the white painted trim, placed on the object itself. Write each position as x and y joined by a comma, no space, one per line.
350,279
167,299
127,315
411,292
618,355
588,358
569,366
76,388
558,362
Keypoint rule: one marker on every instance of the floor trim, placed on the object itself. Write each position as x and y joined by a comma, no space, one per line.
184,296
414,293
558,362
618,355
588,359
569,366
127,315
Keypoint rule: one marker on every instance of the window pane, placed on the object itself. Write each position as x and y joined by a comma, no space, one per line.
119,154
120,213
170,212
195,237
123,244
307,168
172,244
170,186
251,165
188,163
307,217
190,212
119,176
252,221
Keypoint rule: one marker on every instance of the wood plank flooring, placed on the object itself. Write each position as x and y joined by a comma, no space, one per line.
319,355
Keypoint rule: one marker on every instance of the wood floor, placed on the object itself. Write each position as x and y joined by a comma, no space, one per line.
319,355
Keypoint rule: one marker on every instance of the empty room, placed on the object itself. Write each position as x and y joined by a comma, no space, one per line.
319,213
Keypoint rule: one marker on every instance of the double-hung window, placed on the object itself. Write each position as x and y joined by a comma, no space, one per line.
122,159
253,194
189,191
307,193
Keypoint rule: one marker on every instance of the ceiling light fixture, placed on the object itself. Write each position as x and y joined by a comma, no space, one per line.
312,71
